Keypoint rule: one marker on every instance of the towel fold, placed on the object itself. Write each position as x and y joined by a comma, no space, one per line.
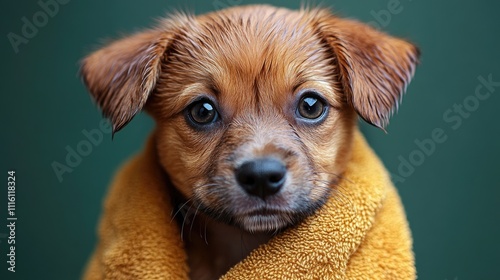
360,233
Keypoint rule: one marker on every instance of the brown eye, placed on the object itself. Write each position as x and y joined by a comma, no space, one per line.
311,107
202,112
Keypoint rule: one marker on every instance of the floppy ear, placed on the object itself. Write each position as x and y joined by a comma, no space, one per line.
122,75
374,68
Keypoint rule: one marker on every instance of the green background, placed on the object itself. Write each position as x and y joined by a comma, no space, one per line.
452,199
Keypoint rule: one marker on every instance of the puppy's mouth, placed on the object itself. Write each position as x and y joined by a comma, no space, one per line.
260,217
265,219
263,212
257,220
261,195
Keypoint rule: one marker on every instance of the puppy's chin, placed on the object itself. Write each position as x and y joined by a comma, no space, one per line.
266,222
264,217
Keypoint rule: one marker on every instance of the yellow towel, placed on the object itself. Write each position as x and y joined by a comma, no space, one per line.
360,233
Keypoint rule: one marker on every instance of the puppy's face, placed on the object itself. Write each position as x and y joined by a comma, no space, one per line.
255,106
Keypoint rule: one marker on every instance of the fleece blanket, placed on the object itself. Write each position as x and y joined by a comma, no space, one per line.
360,233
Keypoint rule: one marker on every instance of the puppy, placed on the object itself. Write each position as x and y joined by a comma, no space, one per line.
255,109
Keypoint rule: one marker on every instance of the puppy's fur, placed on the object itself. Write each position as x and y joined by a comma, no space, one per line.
254,65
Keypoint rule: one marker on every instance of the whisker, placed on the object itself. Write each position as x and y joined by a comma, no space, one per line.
184,222
194,217
180,208
339,176
205,234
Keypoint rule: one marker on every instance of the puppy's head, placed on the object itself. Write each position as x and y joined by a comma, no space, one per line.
255,106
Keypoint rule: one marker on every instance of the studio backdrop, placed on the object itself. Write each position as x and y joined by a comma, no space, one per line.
442,148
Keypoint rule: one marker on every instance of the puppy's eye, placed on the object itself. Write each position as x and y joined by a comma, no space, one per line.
311,107
202,112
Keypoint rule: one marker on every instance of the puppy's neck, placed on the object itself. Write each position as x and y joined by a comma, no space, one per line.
212,247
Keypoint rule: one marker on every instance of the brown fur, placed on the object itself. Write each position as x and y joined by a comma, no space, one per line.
253,61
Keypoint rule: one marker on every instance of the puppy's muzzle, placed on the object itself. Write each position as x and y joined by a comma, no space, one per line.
261,177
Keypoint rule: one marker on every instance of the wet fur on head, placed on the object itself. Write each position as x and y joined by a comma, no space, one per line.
253,63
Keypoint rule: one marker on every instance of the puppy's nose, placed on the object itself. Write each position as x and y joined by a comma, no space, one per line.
261,177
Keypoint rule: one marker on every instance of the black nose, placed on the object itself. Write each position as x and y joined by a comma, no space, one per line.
261,177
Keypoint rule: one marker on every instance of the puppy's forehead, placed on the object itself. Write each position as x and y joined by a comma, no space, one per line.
256,49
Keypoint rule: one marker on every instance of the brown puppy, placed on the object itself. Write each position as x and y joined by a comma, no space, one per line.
255,109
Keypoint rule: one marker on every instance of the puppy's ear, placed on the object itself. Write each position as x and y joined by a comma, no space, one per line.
122,75
374,68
